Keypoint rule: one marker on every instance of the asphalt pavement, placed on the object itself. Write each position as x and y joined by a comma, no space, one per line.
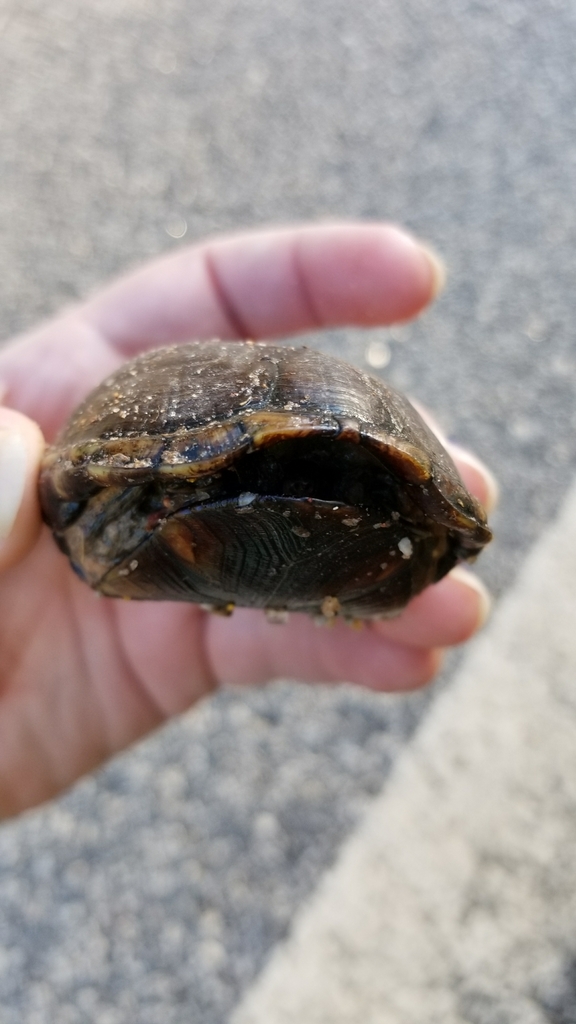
159,889
453,902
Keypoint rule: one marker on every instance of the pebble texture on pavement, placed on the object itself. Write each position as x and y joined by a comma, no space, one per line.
157,890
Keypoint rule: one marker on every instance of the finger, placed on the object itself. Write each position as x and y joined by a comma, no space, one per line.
268,283
445,614
48,372
302,651
476,476
479,480
21,447
260,284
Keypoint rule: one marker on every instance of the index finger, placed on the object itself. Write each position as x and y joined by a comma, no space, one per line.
268,283
260,284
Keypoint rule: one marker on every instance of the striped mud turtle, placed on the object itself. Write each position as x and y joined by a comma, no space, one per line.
267,476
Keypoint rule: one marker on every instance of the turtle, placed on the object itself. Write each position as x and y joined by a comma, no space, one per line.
256,475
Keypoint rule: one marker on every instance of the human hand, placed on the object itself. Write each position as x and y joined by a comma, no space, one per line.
83,677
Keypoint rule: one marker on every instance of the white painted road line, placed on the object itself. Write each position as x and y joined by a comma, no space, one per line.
459,887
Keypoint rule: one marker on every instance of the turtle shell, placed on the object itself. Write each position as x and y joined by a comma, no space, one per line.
242,473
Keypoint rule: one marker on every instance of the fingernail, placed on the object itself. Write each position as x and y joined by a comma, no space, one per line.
438,268
468,579
491,484
13,460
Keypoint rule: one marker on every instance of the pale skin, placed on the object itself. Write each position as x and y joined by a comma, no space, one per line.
82,677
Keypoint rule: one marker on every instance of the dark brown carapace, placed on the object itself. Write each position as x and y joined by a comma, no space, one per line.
235,473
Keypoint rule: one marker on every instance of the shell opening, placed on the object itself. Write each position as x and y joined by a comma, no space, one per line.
312,467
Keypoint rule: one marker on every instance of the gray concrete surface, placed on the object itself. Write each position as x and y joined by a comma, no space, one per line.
156,891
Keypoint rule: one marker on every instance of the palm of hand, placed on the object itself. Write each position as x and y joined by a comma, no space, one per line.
82,677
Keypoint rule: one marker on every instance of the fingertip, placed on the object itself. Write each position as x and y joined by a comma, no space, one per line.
21,447
436,659
476,593
444,615
419,668
413,272
479,480
437,270
425,666
367,274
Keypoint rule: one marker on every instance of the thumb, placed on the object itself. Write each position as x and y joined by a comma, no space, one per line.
21,447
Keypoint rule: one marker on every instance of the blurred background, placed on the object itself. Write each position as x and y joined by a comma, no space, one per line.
156,891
